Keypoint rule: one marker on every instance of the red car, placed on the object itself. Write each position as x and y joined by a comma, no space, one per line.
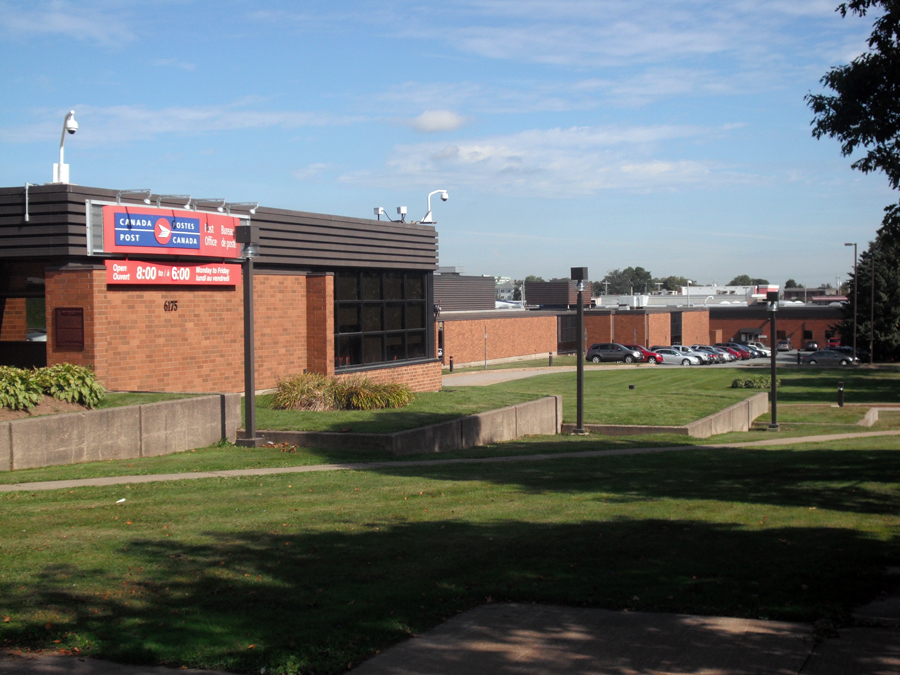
649,357
738,351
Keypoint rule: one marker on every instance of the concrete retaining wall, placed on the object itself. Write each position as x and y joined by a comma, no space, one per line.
737,417
543,416
129,432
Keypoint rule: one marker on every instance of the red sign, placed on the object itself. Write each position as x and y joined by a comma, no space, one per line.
143,273
144,229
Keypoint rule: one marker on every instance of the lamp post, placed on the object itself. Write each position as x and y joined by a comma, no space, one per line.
248,237
580,274
444,197
689,292
772,297
872,312
61,170
855,295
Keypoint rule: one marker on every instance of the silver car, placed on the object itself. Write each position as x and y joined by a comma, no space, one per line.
674,357
828,357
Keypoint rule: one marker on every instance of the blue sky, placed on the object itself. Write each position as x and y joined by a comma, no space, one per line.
670,135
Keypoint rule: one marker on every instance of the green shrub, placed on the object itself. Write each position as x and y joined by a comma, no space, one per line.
312,391
756,382
19,389
358,393
72,383
308,391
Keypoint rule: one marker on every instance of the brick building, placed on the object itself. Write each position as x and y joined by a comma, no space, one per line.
332,295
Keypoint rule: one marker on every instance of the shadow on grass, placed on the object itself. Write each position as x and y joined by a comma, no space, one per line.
857,388
316,602
826,479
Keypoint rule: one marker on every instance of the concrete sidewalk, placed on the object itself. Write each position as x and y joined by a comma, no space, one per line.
516,639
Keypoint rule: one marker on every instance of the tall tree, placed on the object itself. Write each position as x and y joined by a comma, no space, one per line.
790,283
863,113
623,282
741,280
672,283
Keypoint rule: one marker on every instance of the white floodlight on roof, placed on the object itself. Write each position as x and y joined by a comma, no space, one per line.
174,198
249,207
216,203
141,193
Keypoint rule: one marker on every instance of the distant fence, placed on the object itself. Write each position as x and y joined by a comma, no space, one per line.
128,432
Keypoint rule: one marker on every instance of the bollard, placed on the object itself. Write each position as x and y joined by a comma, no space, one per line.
840,394
798,357
550,355
631,386
451,364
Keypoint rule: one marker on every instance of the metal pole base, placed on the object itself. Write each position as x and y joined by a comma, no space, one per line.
773,427
250,442
580,432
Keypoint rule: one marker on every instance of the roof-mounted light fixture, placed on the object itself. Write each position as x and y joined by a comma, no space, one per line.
401,211
61,170
174,198
379,211
216,203
249,207
143,194
444,197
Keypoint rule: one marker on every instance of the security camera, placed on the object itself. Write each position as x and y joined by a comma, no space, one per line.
71,124
444,196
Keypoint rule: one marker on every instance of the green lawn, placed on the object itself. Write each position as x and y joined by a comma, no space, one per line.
312,572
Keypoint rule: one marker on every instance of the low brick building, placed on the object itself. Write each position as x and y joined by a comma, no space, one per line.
333,295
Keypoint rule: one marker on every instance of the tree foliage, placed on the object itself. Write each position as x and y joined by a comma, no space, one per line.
790,283
864,111
747,280
623,282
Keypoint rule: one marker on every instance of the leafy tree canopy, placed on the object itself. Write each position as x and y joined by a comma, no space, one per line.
790,283
672,283
531,277
621,282
746,280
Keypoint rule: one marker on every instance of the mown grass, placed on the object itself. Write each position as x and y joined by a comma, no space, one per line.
313,572
117,399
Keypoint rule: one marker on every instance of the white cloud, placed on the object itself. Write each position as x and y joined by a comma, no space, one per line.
553,163
431,121
69,19
114,124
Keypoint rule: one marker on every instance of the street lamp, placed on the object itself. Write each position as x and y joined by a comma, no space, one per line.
61,170
772,297
872,312
580,274
248,237
689,292
855,296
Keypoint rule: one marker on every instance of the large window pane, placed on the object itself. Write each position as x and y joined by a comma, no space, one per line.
415,344
393,286
396,349
347,287
372,318
348,319
415,315
371,286
348,351
374,348
415,286
393,316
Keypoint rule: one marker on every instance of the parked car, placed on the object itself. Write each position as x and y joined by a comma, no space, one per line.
674,357
742,351
649,356
828,357
717,355
731,352
604,352
810,346
705,358
784,346
861,354
833,342
760,347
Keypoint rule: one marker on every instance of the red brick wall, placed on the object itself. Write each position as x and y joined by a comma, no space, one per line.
631,328
660,329
320,323
507,337
418,377
599,328
694,327
76,288
793,328
13,326
280,327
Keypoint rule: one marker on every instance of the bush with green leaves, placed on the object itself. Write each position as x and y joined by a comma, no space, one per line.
755,382
72,383
19,389
312,391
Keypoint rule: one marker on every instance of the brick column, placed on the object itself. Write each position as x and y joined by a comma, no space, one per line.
13,326
85,288
320,323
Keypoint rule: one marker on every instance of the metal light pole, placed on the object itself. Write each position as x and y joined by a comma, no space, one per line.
772,297
855,295
689,292
872,312
248,237
61,170
580,274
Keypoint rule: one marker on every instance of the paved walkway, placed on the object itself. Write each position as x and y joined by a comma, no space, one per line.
38,486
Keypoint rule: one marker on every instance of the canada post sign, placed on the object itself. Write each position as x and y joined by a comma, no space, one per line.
132,229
